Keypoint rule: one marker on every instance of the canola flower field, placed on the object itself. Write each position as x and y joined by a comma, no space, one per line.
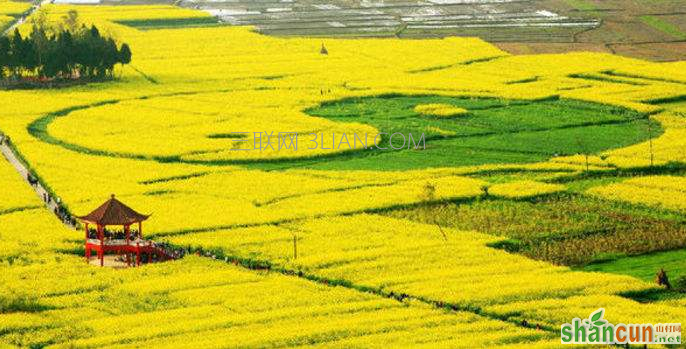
53,299
13,8
10,10
381,259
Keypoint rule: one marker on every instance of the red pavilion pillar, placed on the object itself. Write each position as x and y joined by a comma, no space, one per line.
127,232
138,255
88,249
140,234
101,253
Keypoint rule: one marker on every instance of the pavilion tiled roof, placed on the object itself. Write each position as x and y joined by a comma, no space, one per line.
114,212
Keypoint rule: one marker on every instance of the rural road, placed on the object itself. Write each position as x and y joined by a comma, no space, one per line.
9,154
21,20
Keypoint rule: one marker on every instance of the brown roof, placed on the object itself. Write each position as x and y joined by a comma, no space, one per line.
114,212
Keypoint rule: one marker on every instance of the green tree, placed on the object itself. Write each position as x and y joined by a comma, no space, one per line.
29,56
125,54
4,54
16,53
110,56
71,21
81,50
65,53
40,45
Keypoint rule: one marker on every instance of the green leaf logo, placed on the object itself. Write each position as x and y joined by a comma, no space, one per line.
597,315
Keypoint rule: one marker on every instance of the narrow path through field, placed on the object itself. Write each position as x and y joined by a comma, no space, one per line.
22,19
51,203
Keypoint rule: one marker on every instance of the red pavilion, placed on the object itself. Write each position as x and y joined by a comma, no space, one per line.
114,213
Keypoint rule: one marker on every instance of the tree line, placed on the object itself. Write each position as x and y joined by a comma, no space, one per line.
69,51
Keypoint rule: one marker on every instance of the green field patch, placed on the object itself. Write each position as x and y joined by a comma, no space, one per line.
494,131
583,5
13,304
671,101
565,229
663,26
656,294
170,23
645,266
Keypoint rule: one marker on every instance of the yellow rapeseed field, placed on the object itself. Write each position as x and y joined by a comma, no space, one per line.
523,189
663,191
14,8
156,138
49,298
440,110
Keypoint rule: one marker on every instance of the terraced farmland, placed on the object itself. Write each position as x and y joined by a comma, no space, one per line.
493,20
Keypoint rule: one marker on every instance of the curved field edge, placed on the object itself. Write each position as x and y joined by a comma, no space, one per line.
489,128
39,130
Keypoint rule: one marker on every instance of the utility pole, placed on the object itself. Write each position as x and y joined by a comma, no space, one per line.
295,246
650,141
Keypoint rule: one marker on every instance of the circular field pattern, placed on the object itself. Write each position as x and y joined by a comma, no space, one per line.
490,131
